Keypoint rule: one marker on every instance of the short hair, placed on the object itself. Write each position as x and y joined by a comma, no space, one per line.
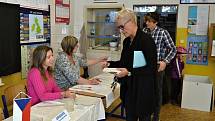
68,44
125,15
152,16
39,57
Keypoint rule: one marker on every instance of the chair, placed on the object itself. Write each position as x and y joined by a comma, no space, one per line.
8,95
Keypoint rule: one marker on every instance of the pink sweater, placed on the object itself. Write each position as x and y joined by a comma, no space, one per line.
39,90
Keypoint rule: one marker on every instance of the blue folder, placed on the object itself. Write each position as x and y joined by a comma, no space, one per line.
139,59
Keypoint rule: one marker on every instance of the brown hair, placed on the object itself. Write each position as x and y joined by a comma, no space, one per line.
39,56
68,44
152,16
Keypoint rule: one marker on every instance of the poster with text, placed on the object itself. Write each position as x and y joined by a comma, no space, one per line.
34,26
197,47
62,11
197,41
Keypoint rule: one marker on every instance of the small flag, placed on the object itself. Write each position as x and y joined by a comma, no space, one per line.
21,108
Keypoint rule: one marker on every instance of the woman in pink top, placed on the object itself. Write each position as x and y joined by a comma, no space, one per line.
41,84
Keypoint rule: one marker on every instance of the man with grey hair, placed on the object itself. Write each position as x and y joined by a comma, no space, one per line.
137,78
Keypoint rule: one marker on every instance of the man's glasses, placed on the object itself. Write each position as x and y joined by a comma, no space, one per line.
122,27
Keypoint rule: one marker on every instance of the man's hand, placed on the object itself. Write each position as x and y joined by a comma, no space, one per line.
162,66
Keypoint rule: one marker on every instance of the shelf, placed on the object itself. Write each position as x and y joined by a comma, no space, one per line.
101,27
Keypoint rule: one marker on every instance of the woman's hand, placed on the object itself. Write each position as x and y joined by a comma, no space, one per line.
104,64
69,94
123,72
103,59
94,81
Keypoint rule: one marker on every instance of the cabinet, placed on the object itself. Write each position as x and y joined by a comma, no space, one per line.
102,35
212,41
101,30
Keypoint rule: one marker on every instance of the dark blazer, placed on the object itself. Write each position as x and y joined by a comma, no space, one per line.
137,91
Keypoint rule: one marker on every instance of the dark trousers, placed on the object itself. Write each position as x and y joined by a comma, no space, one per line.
159,96
135,118
176,85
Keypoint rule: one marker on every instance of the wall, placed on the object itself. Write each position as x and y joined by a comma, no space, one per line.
208,70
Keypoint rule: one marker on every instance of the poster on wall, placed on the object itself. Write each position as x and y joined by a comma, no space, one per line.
197,47
197,41
34,26
62,11
198,20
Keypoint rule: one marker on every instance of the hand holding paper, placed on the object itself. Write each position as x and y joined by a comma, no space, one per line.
111,70
123,72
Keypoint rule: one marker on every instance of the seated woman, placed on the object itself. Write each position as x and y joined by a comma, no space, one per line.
41,84
67,65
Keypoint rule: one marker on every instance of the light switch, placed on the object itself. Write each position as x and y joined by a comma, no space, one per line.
64,30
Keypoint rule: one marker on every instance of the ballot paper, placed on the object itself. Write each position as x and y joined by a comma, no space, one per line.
111,70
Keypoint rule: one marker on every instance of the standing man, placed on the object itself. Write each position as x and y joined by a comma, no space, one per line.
163,43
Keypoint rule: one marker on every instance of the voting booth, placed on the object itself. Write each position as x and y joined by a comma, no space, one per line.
197,93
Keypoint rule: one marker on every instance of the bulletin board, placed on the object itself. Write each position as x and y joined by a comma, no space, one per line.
197,41
34,26
35,30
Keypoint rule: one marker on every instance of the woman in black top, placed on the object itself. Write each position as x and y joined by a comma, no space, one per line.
138,84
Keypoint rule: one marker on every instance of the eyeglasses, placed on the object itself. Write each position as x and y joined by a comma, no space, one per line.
122,27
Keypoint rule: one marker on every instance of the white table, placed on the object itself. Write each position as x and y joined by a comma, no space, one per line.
85,109
103,89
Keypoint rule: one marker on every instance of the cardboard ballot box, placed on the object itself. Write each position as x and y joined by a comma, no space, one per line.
197,93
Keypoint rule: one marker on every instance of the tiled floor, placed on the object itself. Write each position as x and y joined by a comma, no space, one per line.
175,113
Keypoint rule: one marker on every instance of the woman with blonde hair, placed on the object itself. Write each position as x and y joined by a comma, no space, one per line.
68,63
137,78
41,84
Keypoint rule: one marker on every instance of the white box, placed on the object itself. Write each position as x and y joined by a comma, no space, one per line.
197,93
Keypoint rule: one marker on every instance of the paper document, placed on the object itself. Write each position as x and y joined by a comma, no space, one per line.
111,70
139,59
49,103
